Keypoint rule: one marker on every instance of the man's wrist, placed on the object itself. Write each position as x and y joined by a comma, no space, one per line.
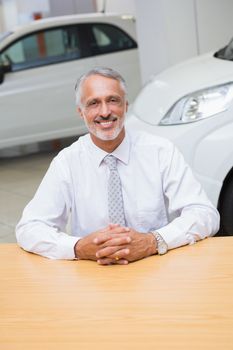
77,250
161,245
153,243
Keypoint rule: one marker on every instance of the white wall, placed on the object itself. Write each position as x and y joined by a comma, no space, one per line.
170,31
30,6
68,7
214,23
9,14
166,33
14,12
117,6
1,17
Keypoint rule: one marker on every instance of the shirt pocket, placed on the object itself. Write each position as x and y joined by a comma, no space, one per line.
147,221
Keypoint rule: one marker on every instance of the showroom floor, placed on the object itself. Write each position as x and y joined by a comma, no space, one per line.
19,178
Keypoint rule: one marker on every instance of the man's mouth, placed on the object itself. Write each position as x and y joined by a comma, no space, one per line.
106,122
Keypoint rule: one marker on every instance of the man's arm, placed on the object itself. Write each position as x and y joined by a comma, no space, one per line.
195,216
41,229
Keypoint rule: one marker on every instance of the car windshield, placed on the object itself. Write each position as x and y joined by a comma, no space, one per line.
4,35
226,53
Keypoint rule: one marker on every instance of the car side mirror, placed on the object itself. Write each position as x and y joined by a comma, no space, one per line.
1,74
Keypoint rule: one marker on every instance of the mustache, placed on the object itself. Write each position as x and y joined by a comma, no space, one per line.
110,118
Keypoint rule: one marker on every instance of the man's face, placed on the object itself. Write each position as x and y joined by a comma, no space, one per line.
103,108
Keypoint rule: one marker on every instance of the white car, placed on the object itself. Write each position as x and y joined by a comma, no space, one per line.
192,105
40,63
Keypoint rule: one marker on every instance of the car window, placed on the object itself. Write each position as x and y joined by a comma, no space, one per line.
44,47
107,38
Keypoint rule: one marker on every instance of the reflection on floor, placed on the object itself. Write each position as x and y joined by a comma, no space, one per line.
19,179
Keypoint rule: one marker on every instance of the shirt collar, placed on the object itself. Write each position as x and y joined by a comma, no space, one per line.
122,152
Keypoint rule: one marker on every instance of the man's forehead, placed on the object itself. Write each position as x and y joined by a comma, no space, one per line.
100,85
100,79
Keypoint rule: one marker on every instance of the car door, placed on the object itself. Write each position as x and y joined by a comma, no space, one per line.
113,45
37,97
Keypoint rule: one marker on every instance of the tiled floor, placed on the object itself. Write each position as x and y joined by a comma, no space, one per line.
19,178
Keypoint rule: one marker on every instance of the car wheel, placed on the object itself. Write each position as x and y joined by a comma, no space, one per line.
226,210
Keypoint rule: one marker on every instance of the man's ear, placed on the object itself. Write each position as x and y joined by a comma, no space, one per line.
126,106
79,110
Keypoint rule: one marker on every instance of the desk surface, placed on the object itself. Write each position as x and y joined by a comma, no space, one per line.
182,300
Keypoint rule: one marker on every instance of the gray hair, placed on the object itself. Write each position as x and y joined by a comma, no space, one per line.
103,71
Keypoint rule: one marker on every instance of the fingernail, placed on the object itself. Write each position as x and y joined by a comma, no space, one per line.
128,239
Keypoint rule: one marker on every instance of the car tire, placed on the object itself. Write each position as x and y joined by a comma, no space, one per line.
226,210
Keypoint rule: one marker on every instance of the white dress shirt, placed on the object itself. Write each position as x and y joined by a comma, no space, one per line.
159,193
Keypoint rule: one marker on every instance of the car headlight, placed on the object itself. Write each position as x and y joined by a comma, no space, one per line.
199,105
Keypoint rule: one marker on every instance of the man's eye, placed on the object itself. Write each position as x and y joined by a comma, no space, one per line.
92,104
114,100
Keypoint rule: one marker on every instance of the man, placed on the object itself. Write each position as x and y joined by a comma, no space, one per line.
122,212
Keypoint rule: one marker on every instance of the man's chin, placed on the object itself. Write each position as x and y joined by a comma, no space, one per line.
106,135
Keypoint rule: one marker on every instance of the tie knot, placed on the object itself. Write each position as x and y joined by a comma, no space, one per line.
111,162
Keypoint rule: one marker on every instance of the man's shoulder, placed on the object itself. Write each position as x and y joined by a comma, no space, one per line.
72,150
145,139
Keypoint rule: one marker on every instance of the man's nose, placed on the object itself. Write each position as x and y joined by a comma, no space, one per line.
105,110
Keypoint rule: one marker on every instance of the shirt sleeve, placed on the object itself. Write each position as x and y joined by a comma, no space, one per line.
194,216
41,229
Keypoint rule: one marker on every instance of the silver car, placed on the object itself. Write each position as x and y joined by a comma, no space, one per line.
39,65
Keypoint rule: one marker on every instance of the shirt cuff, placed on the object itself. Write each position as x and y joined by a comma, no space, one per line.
66,247
174,238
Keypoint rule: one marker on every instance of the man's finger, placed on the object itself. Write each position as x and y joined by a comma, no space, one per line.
116,241
108,261
111,226
106,236
106,252
112,252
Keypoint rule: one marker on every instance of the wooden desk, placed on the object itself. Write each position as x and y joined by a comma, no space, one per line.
182,300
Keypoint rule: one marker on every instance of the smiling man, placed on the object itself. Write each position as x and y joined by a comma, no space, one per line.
103,106
121,188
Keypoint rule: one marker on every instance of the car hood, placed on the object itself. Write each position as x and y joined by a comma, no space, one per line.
164,89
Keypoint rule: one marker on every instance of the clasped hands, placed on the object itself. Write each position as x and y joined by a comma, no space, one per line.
115,245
